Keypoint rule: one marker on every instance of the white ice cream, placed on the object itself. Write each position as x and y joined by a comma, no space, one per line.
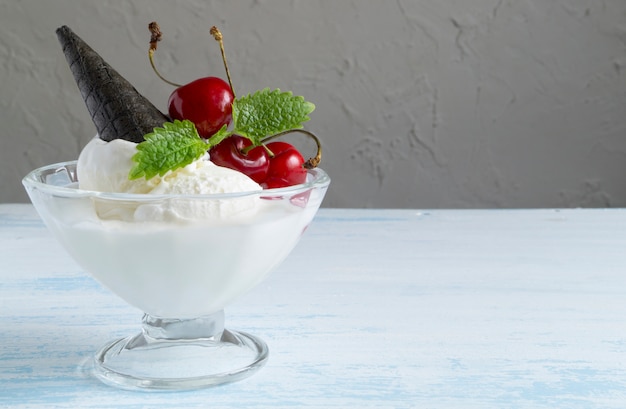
178,256
104,167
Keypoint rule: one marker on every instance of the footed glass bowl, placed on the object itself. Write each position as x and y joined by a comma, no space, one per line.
180,259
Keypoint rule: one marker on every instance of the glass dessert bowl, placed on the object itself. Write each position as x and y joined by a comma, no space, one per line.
181,259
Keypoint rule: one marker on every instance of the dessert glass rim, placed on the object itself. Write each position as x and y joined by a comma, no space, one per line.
319,179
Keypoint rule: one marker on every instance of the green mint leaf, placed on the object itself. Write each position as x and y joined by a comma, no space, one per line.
175,145
268,112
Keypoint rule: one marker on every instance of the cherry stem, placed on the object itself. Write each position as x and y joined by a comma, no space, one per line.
268,150
248,148
217,34
155,37
311,163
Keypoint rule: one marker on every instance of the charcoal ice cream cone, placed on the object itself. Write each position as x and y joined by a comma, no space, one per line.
117,109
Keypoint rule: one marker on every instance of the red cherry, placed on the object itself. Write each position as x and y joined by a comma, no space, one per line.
286,166
230,153
207,102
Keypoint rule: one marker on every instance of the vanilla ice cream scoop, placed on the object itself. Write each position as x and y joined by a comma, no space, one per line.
201,177
104,167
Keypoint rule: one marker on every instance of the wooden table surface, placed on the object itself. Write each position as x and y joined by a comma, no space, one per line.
374,308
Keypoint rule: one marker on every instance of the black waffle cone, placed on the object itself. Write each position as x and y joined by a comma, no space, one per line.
117,109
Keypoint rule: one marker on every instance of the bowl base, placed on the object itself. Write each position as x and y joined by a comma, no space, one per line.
166,357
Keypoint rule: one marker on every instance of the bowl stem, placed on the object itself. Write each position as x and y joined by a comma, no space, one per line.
179,354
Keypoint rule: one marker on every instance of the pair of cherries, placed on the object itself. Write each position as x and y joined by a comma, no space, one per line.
207,102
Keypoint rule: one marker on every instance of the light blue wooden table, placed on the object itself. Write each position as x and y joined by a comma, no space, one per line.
374,308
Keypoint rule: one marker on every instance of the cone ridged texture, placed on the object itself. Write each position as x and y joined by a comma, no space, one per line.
118,111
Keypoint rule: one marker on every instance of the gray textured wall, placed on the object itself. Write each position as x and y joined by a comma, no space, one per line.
420,103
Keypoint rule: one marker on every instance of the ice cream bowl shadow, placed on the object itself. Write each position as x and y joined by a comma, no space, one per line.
181,259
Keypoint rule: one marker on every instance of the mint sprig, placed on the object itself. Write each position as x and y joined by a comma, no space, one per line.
268,112
175,145
255,116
